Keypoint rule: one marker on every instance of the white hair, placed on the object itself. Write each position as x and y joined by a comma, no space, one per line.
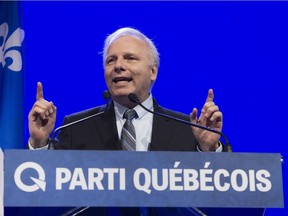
153,52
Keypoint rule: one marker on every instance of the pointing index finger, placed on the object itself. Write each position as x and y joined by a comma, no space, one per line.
210,96
39,94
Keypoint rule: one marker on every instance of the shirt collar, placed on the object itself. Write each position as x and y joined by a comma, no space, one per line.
120,109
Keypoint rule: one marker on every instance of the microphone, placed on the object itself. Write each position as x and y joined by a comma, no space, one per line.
106,95
134,98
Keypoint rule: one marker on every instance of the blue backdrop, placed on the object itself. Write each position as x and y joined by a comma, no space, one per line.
237,48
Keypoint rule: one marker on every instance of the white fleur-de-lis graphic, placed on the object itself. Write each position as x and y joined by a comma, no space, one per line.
8,47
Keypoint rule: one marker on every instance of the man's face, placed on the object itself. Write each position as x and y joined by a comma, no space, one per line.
128,69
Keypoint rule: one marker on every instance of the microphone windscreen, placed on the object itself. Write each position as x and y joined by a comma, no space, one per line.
106,95
133,98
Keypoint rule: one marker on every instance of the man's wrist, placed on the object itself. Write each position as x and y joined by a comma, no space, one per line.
40,145
217,148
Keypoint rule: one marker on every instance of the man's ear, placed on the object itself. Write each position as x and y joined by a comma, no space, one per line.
154,73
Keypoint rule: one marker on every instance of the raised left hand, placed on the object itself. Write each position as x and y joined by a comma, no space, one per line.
210,117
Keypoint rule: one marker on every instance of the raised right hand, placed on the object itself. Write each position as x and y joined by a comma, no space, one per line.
42,118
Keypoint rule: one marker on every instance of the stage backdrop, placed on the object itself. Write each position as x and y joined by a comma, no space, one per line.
237,48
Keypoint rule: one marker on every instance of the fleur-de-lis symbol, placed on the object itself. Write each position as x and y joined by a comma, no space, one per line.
8,47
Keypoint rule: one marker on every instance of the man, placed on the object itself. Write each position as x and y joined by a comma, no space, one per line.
131,64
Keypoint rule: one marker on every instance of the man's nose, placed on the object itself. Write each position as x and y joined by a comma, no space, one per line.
119,66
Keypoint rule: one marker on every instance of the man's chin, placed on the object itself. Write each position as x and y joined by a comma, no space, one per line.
121,97
121,93
123,100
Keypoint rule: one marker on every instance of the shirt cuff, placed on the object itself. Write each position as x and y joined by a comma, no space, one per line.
32,148
219,149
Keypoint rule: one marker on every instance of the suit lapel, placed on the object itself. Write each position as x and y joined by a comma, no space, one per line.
162,130
107,129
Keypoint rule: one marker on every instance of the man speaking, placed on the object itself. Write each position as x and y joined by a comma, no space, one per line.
131,63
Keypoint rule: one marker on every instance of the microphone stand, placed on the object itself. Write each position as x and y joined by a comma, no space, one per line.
51,141
134,98
51,145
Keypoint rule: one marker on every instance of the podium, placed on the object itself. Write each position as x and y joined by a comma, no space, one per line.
155,183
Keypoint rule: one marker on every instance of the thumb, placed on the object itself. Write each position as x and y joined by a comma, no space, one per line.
193,115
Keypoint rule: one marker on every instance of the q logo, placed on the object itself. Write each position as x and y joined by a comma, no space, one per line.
39,183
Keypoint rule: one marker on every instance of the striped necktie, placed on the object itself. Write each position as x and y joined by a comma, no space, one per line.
128,136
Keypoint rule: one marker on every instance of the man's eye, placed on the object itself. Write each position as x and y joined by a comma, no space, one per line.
130,58
110,60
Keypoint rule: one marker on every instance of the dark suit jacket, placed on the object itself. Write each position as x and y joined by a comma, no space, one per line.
100,132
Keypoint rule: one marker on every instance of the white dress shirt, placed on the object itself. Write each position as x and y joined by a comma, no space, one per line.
143,124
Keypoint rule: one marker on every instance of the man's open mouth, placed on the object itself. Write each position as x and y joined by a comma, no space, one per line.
120,79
